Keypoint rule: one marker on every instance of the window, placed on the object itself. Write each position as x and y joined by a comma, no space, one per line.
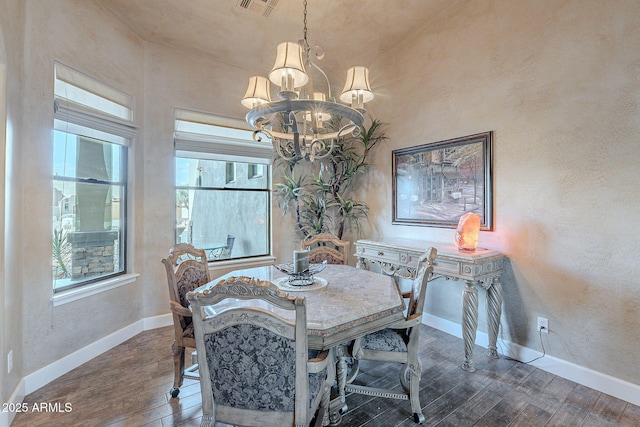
221,205
256,171
93,129
230,170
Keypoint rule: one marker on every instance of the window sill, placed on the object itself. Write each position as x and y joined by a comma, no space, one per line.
240,263
92,289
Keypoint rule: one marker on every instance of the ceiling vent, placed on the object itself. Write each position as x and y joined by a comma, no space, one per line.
260,7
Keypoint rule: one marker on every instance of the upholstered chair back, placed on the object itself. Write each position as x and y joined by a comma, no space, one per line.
187,269
255,366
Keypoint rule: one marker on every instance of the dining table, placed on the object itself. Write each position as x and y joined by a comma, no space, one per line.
343,303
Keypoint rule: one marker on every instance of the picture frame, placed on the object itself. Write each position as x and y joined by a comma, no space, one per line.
435,184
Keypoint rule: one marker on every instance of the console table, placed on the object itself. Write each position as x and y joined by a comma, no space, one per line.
482,267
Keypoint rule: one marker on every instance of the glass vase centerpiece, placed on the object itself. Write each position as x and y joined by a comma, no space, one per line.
300,272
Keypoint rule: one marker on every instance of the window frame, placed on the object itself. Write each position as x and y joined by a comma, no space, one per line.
76,116
204,144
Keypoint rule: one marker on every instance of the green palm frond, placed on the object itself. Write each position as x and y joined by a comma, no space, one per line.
58,248
321,199
289,190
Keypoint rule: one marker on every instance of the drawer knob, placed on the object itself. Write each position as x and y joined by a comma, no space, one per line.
380,253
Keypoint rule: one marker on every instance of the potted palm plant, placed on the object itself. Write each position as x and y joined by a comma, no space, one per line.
320,194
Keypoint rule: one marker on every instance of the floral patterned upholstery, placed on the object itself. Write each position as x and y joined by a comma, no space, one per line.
254,368
386,340
190,275
188,331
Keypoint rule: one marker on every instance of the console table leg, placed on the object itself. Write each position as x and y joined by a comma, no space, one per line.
469,324
494,311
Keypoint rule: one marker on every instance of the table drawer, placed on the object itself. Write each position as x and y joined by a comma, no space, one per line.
388,255
444,266
380,254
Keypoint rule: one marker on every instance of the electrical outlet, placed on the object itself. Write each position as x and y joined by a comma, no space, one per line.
9,362
543,325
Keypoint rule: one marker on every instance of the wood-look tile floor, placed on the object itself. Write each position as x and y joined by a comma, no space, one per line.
129,386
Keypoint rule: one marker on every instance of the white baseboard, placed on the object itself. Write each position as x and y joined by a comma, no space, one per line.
16,398
45,375
155,322
588,377
596,380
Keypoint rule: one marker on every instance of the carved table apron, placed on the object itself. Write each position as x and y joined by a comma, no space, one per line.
482,267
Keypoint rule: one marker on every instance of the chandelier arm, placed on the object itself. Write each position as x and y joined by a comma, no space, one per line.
284,154
325,136
289,105
261,131
289,148
317,149
277,143
325,77
296,134
317,146
350,128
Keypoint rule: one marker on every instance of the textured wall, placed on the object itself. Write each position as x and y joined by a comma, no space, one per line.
192,82
557,81
559,84
93,42
11,19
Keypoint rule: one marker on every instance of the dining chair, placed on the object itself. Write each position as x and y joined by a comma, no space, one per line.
327,247
187,269
255,366
399,343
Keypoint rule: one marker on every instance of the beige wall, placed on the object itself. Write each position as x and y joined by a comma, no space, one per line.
559,84
11,37
185,80
556,81
92,42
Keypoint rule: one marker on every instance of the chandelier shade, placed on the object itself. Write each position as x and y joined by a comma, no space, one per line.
319,115
304,123
288,71
357,89
258,92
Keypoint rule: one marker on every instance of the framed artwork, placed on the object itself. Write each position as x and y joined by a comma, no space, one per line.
435,184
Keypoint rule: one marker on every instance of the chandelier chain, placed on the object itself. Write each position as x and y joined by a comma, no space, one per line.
305,25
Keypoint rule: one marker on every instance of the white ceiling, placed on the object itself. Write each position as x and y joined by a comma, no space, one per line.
352,32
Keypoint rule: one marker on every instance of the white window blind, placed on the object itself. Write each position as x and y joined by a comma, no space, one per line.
92,108
206,136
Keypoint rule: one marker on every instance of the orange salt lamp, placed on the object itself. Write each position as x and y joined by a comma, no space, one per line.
467,233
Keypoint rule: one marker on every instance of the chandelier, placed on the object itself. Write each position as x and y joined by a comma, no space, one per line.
303,123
